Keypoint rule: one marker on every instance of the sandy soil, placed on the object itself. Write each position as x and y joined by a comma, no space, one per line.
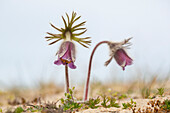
51,93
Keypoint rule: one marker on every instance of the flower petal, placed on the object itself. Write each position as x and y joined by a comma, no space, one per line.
128,60
122,58
71,65
63,48
58,62
66,54
73,52
70,51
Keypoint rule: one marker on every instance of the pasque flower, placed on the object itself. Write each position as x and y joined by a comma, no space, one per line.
69,33
117,51
122,58
66,53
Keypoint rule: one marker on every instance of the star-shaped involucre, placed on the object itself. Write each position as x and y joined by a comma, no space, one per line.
71,29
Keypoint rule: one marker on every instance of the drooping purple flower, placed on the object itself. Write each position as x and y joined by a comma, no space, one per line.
122,58
117,51
66,54
68,33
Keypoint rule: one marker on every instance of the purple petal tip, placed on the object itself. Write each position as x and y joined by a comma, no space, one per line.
58,62
71,65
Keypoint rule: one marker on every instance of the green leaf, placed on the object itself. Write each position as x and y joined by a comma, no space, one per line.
55,27
65,24
54,41
72,19
160,91
131,101
76,19
62,100
81,24
82,44
78,34
71,92
0,110
18,110
166,105
78,29
68,20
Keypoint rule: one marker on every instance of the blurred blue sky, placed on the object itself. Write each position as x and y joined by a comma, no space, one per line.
26,58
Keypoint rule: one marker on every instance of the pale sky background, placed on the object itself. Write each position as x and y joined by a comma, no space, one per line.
26,58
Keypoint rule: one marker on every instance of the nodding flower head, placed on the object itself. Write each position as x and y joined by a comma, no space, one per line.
72,30
117,51
66,54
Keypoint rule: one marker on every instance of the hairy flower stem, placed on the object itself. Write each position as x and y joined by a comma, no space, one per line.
89,70
67,78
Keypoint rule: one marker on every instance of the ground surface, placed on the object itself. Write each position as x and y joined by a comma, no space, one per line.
48,96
